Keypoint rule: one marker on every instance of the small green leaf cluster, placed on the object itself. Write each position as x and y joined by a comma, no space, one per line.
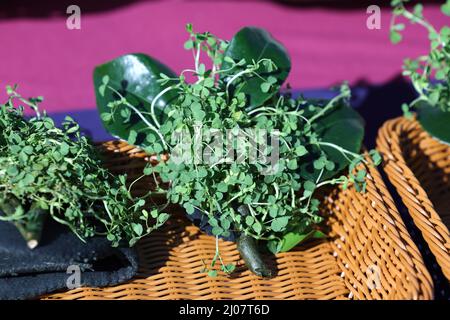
58,171
435,64
211,268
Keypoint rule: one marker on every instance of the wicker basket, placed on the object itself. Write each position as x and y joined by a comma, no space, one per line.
419,168
368,255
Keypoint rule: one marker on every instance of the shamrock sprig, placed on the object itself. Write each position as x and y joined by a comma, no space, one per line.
237,95
56,172
429,73
436,63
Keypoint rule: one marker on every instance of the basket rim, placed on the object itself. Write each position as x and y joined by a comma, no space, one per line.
413,195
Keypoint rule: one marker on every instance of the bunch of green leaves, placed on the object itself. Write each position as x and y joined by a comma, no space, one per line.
239,91
56,172
433,101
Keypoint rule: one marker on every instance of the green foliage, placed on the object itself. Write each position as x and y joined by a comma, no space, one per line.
211,269
291,239
431,94
273,64
236,92
46,170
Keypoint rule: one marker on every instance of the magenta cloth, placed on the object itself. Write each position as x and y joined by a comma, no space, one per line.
326,46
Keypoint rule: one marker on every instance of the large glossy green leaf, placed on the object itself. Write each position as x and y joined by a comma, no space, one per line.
435,121
253,44
343,127
135,77
292,239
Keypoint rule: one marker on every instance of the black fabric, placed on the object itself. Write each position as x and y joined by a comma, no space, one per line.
26,273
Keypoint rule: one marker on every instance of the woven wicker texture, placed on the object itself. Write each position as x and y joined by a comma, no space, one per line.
419,168
368,255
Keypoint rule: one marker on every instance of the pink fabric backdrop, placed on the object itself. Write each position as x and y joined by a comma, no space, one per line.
326,46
